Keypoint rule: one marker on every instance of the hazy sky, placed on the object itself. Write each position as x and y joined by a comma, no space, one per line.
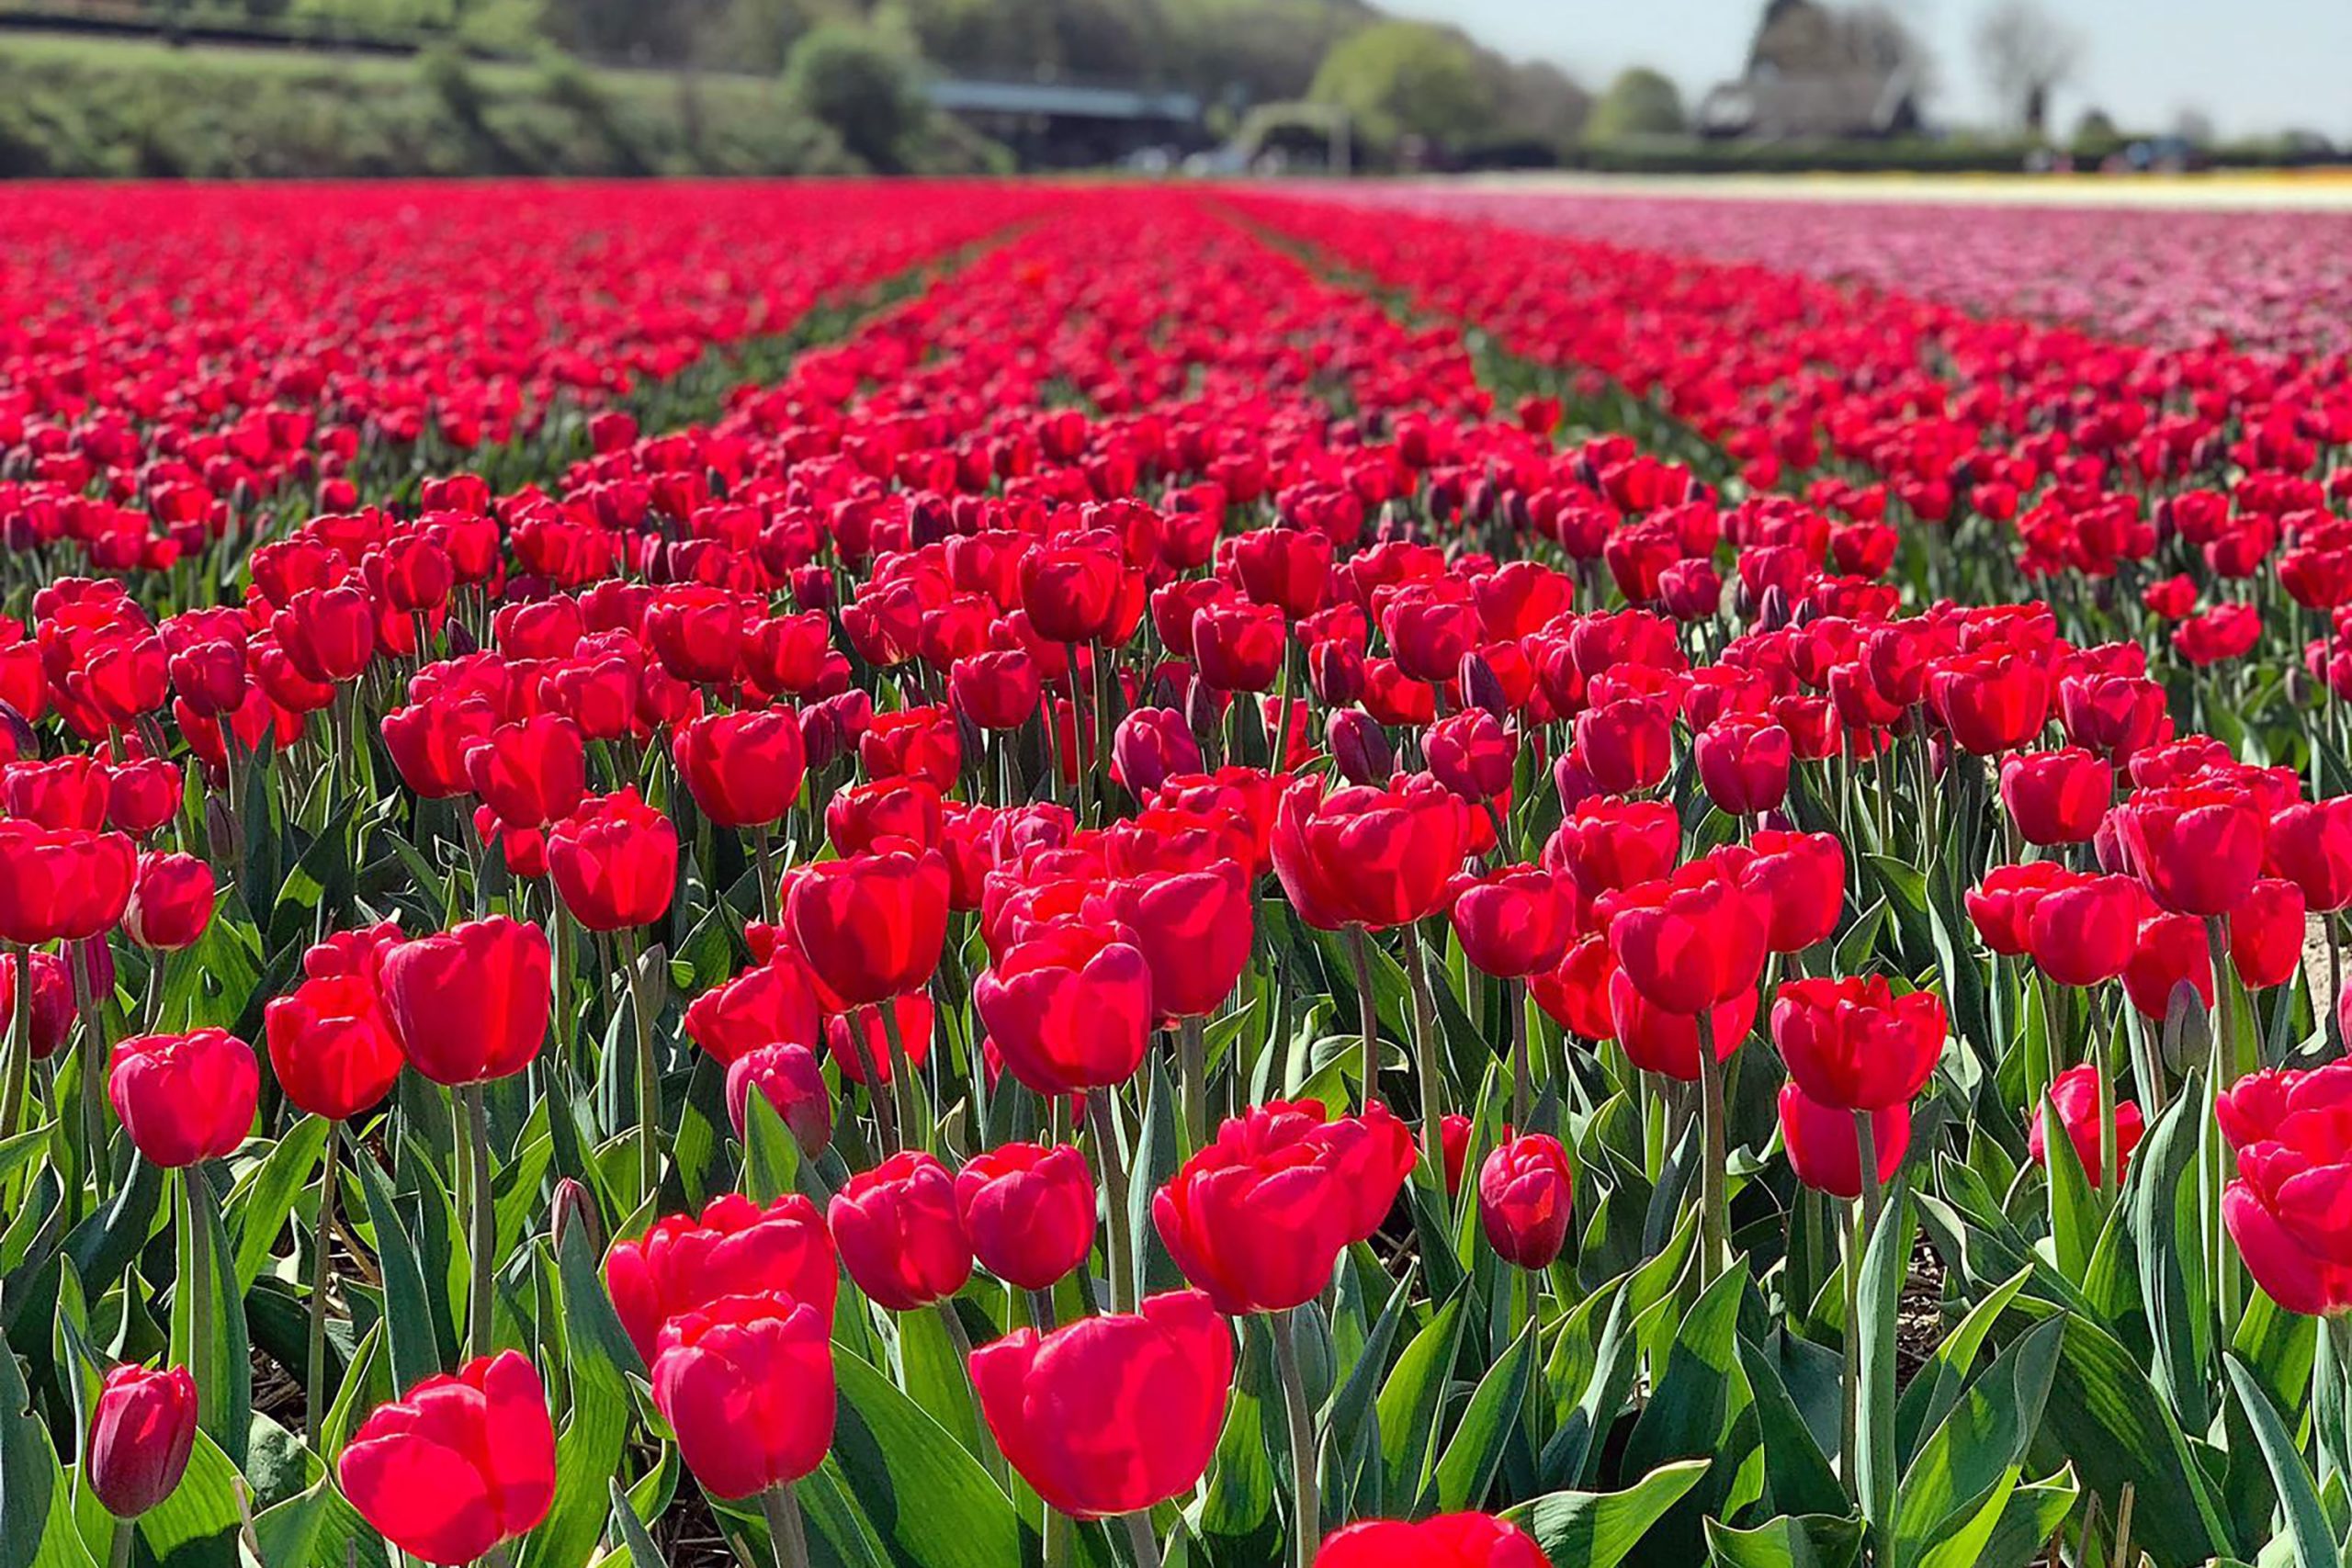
2252,66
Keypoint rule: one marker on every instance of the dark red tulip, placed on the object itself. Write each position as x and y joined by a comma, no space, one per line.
142,1432
871,926
1744,764
1029,1212
1453,1540
184,1098
788,1078
1453,1142
1610,844
1515,921
1472,754
460,1464
1150,746
1626,744
142,795
997,688
1526,1196
1070,1007
898,1233
918,742
1115,1413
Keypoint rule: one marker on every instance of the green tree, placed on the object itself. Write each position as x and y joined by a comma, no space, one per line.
862,85
2096,135
1640,102
1407,78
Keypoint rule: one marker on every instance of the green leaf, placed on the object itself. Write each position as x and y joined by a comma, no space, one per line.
1936,1387
929,1501
2031,1516
1241,1481
1475,1450
1798,1475
2169,1247
588,1450
2073,1208
408,1313
39,1532
1691,1405
642,1553
259,1207
1954,1494
318,1529
211,1342
197,1526
1805,1541
1597,1530
2307,1525
771,1154
1411,1398
1887,1262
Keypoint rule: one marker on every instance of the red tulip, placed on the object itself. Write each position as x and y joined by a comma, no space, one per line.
1800,877
1472,754
1526,1195
431,739
1658,1040
920,743
1149,746
61,883
847,1032
142,795
1855,1046
531,772
1371,1154
2198,848
1453,1141
2083,932
1115,1413
2075,1093
461,1464
2001,907
1365,856
141,1433
788,1078
1070,1007
2266,933
1290,567
1627,744
735,1248
1825,1147
614,861
744,769
471,1003
52,1002
1691,940
2171,949
184,1098
898,1233
1193,928
1029,1212
997,689
1992,701
2310,843
1576,994
171,901
2284,1211
871,926
1258,1217
775,1004
331,1047
1238,647
1744,764
1610,844
1453,1540
746,1382
2056,797
1516,921
69,793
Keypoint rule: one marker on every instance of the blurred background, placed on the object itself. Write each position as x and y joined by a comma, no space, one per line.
229,88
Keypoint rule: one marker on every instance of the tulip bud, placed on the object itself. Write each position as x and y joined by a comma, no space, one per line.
140,1435
1200,707
1481,686
1360,745
576,1213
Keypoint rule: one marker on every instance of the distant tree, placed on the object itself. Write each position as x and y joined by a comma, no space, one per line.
2096,135
2026,57
1640,102
1536,101
1803,37
860,84
1407,78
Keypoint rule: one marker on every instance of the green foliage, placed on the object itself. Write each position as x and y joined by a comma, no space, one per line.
1640,102
859,84
1407,79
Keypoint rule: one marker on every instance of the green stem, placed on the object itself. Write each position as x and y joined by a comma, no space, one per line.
1850,1452
126,1533
1522,1092
1141,1541
786,1536
482,1242
877,1098
1425,1060
92,1064
902,1074
1307,1519
1367,1013
196,1208
314,1399
1102,1111
1866,1147
648,1079
1193,1068
1714,1218
16,1066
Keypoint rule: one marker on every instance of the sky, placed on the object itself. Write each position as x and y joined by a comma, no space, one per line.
2250,65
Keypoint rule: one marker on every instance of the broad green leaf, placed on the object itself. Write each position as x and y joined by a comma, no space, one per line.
1936,1387
1887,1262
2307,1524
1798,1475
1468,1467
595,1433
1690,1402
1806,1541
926,1499
319,1528
408,1314
209,1334
259,1207
197,1526
1952,1494
1413,1397
2168,1245
2029,1520
1598,1530
771,1154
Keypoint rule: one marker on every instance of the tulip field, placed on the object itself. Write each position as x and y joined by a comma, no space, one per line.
967,875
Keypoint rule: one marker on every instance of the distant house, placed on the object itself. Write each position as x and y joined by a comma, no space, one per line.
1817,73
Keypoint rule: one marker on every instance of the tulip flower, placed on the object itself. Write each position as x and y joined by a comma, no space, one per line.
1070,1008
184,1098
788,1078
62,883
461,1464
2056,797
1258,1217
2198,848
773,1004
735,1247
1825,1148
1029,1212
1854,1044
2083,931
1115,1413
2077,1093
1453,1540
2285,1130
744,769
871,926
746,1384
614,861
142,1432
530,773
900,1236
471,1003
1373,857
1371,1154
1526,1196
171,901
1744,764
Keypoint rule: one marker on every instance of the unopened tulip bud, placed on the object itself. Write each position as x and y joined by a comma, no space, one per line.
1360,745
575,1213
1481,686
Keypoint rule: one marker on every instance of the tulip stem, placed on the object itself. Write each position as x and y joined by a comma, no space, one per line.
566,940
2109,1177
990,1459
1866,1147
1192,1066
482,1243
1142,1540
126,1534
648,1079
196,1280
315,1400
1713,1212
903,1087
1307,1519
886,1126
2225,1071
1103,1112
16,1070
1367,1013
785,1534
1425,1051
764,872
1849,1444
1522,1085
92,1062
